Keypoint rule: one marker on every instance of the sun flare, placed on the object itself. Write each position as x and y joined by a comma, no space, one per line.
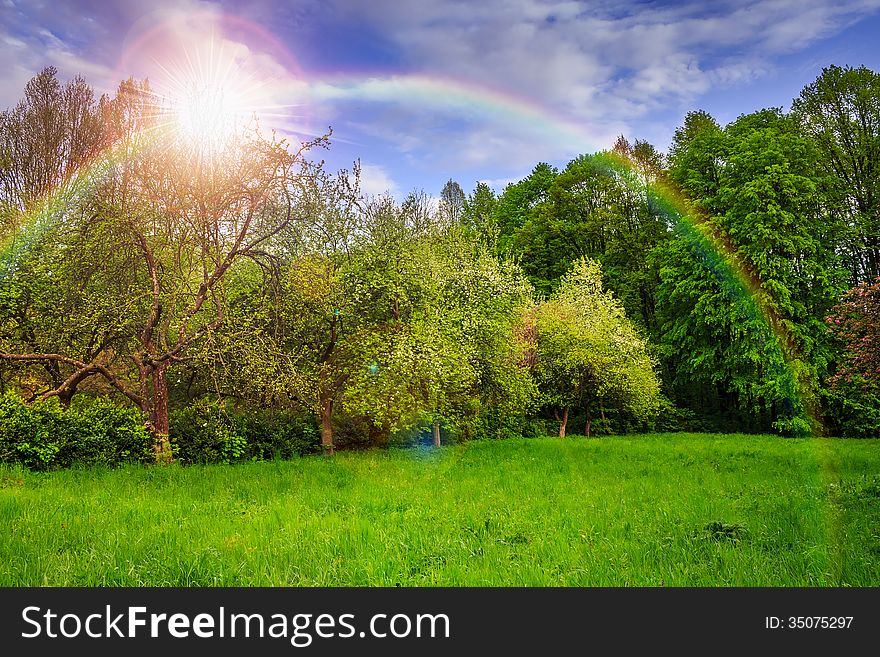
212,93
216,76
205,115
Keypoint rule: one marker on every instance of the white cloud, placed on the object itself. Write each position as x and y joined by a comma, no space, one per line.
601,60
376,181
498,184
530,79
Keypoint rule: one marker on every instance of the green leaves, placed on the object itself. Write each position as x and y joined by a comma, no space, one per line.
841,112
587,350
90,432
743,312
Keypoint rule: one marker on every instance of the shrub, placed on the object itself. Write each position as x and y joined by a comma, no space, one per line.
853,408
30,435
92,431
208,432
101,432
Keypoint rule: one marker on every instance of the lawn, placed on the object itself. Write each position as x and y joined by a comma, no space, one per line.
670,509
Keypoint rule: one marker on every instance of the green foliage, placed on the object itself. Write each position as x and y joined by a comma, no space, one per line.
92,431
549,222
377,317
207,432
521,200
30,434
478,214
841,112
766,202
105,433
587,351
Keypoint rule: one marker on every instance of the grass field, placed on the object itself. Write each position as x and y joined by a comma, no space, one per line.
673,510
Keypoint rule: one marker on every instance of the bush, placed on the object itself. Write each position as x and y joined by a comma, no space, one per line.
96,431
853,409
43,435
208,432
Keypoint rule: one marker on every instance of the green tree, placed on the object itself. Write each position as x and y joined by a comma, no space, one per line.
587,351
475,305
695,157
757,183
181,214
519,201
594,212
478,214
841,111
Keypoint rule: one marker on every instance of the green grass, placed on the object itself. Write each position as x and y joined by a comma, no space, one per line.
673,510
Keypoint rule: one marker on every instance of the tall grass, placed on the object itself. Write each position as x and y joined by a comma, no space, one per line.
659,510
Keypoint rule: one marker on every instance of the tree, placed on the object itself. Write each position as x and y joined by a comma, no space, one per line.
643,154
855,386
743,311
65,294
452,201
480,385
44,141
338,336
695,157
594,212
437,317
478,213
519,201
856,321
410,321
285,342
586,351
841,111
182,213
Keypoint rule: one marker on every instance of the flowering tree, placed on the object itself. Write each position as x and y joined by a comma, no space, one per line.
587,350
855,387
857,323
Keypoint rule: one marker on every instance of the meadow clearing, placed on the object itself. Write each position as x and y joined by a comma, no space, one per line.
648,510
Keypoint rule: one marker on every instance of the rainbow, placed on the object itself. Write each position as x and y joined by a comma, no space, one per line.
466,100
47,211
742,286
716,251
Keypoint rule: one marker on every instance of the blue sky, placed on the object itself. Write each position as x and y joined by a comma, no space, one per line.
424,91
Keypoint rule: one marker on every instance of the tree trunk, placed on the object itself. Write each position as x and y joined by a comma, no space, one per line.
436,433
589,422
327,426
65,396
159,422
563,422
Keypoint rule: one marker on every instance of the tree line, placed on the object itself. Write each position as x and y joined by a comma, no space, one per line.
142,267
794,195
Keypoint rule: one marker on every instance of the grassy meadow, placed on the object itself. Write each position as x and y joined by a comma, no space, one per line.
670,509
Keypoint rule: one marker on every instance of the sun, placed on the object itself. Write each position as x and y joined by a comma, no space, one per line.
217,79
205,114
211,93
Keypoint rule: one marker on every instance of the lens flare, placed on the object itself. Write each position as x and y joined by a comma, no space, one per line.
214,75
204,116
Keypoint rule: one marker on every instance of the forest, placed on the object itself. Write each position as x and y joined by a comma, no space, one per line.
165,298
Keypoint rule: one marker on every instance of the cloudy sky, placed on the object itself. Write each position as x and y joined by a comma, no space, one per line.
426,90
